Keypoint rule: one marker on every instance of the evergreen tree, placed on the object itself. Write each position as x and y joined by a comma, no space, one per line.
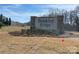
9,23
1,17
1,23
6,23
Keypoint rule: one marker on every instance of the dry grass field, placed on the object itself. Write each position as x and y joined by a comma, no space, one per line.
42,45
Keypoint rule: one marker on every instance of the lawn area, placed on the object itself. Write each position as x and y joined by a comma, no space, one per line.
20,44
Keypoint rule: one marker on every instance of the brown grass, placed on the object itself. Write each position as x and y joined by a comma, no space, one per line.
19,44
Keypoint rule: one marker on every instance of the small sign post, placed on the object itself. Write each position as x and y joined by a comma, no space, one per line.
62,41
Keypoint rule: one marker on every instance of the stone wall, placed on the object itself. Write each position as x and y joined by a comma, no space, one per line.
52,24
60,24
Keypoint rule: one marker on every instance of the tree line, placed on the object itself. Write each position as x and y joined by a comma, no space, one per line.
72,14
4,21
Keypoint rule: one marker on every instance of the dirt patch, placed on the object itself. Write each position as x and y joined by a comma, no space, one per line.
42,45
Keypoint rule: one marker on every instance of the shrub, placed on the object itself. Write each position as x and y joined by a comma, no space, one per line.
1,24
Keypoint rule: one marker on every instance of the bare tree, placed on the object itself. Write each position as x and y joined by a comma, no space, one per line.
76,19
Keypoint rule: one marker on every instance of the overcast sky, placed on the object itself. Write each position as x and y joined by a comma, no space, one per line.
22,12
